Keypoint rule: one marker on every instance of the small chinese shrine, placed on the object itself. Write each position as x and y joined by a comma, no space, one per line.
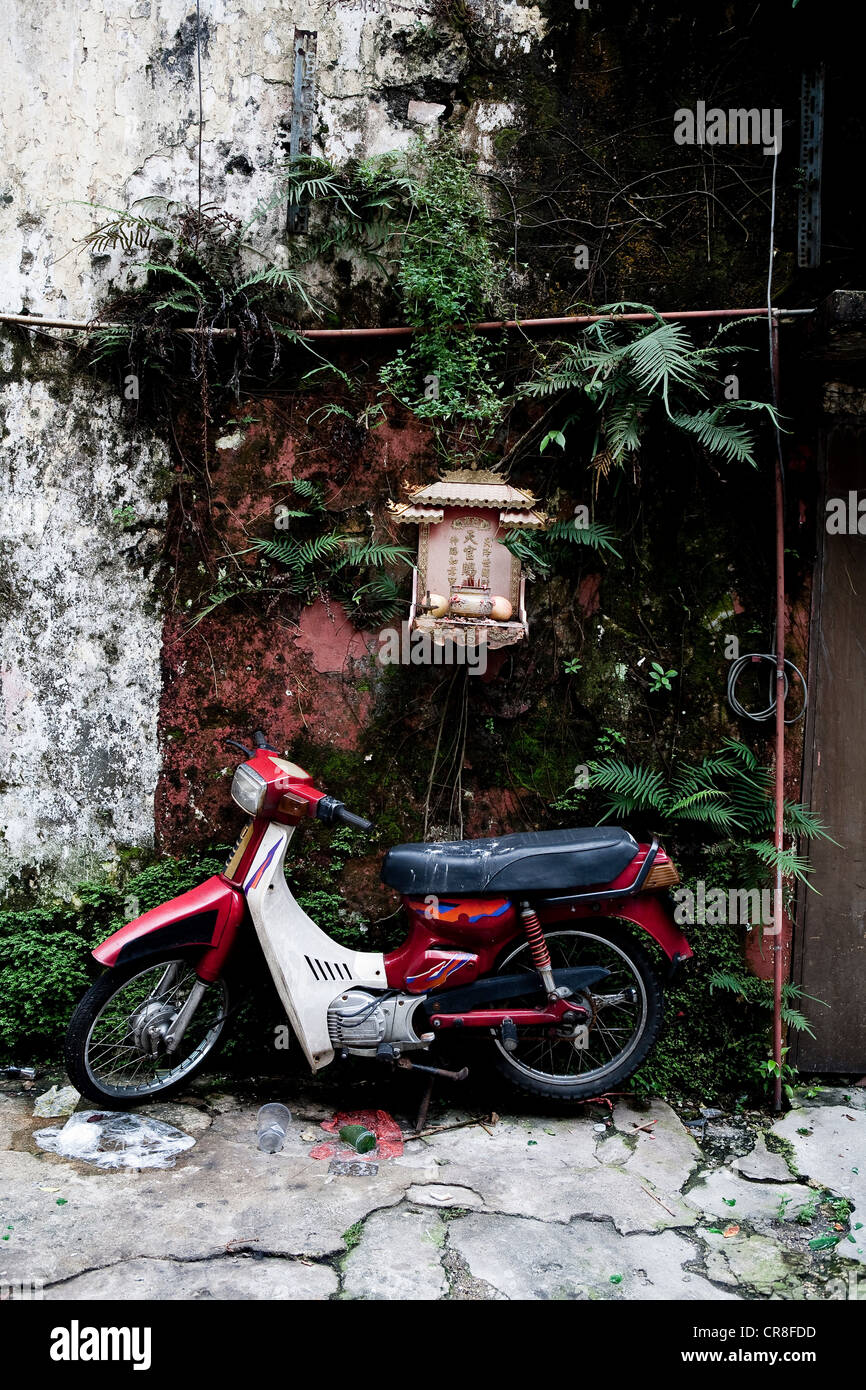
468,588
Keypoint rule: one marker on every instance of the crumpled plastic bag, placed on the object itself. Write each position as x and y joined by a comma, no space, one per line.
116,1139
56,1101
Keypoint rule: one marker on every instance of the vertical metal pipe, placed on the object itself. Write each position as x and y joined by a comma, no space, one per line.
778,903
778,839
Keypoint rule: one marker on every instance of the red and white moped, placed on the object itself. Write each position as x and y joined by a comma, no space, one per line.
528,943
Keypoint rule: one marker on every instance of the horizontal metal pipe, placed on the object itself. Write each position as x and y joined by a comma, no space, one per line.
406,330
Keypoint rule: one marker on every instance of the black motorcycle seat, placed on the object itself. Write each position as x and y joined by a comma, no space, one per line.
538,861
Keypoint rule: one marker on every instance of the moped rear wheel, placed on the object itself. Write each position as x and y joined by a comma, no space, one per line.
114,1049
626,1014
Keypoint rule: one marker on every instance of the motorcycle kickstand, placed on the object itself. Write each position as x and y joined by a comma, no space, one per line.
406,1065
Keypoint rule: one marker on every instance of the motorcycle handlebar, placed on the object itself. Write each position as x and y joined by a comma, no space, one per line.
349,818
329,810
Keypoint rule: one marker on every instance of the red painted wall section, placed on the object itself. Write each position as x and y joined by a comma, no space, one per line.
333,644
223,680
246,665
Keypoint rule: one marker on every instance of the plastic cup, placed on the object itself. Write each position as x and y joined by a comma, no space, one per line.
272,1123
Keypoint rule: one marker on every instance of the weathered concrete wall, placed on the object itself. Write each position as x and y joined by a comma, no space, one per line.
81,519
100,105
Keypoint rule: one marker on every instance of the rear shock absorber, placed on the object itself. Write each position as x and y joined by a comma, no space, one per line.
538,947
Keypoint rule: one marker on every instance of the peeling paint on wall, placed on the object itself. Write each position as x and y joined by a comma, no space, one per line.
81,526
102,107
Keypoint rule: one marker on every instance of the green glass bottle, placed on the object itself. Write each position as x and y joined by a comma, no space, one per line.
357,1137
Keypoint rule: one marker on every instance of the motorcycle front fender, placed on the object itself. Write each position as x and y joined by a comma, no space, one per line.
207,916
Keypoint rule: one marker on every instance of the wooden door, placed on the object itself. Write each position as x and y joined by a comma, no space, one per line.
830,945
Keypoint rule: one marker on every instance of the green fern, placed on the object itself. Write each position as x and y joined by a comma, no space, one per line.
755,991
331,561
622,370
791,864
360,554
380,599
630,788
544,550
728,791
192,275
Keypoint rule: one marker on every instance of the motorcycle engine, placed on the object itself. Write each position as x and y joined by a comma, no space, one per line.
359,1021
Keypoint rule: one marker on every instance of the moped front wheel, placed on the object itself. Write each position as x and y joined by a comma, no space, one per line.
576,1062
115,1048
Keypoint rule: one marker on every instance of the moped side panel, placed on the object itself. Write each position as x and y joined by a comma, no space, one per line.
201,917
453,940
308,968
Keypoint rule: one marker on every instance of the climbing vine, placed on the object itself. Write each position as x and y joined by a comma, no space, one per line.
422,219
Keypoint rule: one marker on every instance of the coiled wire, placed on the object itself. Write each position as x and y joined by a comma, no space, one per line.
760,716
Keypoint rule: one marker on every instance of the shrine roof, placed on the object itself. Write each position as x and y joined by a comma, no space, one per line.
465,487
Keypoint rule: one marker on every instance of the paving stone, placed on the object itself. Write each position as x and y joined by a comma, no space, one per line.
550,1170
186,1117
833,1153
614,1150
667,1154
757,1262
762,1165
555,1208
752,1201
15,1115
560,1193
434,1195
526,1259
399,1258
232,1277
851,1097
420,1156
517,1142
222,1195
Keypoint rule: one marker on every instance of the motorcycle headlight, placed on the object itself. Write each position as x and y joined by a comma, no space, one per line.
248,790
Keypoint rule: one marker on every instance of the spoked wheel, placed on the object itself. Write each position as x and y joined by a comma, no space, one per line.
572,1062
115,1044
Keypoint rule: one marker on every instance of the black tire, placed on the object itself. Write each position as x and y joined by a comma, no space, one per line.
196,1048
600,940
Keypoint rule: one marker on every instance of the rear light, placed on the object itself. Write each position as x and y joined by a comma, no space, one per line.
662,875
248,790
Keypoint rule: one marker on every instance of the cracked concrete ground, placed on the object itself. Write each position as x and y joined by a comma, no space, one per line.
626,1207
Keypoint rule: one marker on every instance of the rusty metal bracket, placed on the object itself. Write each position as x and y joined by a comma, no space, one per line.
811,159
303,106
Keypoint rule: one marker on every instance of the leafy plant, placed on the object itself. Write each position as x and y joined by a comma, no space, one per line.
660,679
315,563
197,281
548,549
315,566
772,1072
45,962
760,992
448,274
629,374
608,740
727,791
420,217
809,1209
